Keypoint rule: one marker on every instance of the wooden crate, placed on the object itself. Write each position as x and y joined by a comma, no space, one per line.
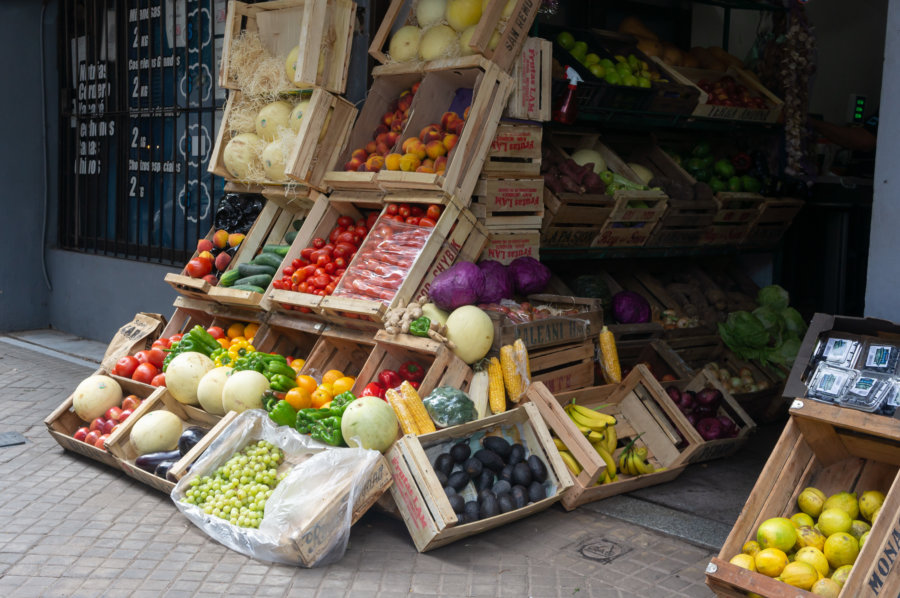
638,406
269,229
322,218
564,367
661,361
631,339
512,196
421,499
506,246
320,140
697,350
515,151
533,76
323,30
442,366
188,286
691,76
553,330
736,213
119,442
463,245
289,336
850,453
63,422
314,538
512,33
573,220
707,450
504,222
775,218
447,89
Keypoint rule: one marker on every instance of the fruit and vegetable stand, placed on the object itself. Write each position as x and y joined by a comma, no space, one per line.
383,325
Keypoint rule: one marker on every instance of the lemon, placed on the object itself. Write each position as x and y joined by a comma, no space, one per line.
858,528
744,561
751,547
833,521
841,574
826,587
814,557
802,520
841,549
843,500
810,501
862,539
869,502
778,532
771,561
808,536
800,575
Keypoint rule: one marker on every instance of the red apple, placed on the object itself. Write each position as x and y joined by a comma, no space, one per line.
108,425
99,442
97,424
204,245
130,403
81,433
114,413
92,437
126,413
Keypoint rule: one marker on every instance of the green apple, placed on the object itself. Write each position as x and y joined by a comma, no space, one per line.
566,40
579,51
591,59
643,82
612,77
629,80
607,64
597,70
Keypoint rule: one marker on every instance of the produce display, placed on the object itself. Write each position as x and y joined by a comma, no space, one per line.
385,135
585,172
630,70
496,478
735,173
725,91
702,409
160,462
100,427
237,492
815,549
410,372
256,274
489,282
711,57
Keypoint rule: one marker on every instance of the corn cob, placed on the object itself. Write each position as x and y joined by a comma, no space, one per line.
407,423
496,392
609,357
416,407
522,358
513,371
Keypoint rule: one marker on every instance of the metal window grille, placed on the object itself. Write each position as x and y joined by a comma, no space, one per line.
140,108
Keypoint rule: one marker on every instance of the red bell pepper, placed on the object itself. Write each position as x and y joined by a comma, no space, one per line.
414,384
373,389
412,371
389,379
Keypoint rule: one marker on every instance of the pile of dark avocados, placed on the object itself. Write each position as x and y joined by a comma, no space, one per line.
502,477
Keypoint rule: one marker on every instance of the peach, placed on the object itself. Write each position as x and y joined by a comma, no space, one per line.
415,87
359,154
449,141
388,118
382,128
384,138
234,239
392,138
374,163
425,169
435,149
382,149
466,113
205,245
392,161
430,133
395,103
362,168
353,165
447,118
419,150
220,238
440,164
370,148
206,255
408,143
398,124
428,162
409,162
457,127
405,101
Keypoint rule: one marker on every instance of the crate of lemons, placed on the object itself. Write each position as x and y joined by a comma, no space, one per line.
814,549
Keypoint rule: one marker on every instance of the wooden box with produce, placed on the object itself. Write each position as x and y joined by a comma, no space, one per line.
157,436
533,76
515,151
139,334
564,368
664,364
839,476
718,424
515,197
305,43
84,421
735,94
432,473
546,320
460,246
456,112
505,247
775,218
289,336
290,141
573,219
428,30
757,389
620,436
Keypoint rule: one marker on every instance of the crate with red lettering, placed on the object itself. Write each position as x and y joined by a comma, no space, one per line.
533,77
504,247
515,151
564,367
547,320
419,494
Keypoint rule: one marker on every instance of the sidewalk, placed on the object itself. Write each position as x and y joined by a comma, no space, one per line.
72,527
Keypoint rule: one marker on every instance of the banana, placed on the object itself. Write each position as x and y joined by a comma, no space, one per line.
584,422
611,439
610,463
622,462
642,466
559,444
590,415
570,462
595,436
631,461
641,452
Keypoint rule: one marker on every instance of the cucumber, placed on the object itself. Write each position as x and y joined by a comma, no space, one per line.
290,236
257,280
267,259
277,249
228,278
251,269
249,287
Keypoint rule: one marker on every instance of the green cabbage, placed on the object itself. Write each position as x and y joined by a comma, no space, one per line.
743,330
793,322
786,352
771,319
773,296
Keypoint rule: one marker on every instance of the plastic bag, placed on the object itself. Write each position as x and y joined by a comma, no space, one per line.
449,406
308,516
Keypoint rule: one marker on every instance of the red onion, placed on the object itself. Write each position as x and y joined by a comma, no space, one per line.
688,399
710,428
704,411
674,394
729,428
693,418
710,397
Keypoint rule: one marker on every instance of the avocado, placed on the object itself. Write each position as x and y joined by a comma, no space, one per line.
501,487
460,452
471,510
517,452
444,463
490,459
441,477
505,502
457,503
486,494
735,184
519,496
449,491
458,480
461,519
489,507
538,469
485,480
506,473
521,474
497,445
536,492
473,467
723,168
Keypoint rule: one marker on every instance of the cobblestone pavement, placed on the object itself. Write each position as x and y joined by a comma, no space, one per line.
70,526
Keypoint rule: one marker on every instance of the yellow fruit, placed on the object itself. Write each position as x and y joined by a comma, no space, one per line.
462,14
862,539
307,382
858,528
770,561
777,532
250,331
343,384
802,520
814,557
841,549
875,514
332,375
810,501
744,561
808,536
869,502
843,500
800,575
235,330
826,587
833,521
841,574
404,44
750,547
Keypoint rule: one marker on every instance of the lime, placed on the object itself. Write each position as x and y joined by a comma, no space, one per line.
566,40
591,59
608,65
643,82
579,51
634,62
612,77
629,80
597,70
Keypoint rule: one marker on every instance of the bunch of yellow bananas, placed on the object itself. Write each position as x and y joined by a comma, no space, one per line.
633,460
600,430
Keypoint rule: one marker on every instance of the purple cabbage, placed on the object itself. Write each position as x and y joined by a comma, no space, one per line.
529,275
461,284
498,283
630,308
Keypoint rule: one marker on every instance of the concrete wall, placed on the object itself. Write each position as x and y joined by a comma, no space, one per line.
882,291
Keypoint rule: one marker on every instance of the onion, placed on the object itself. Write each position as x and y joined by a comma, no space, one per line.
704,411
674,394
693,418
688,399
729,428
710,397
710,428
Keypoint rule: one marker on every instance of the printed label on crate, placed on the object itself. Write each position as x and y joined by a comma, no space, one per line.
562,237
572,380
639,214
623,236
735,113
448,253
737,216
404,487
505,250
515,195
886,559
528,71
554,330
516,140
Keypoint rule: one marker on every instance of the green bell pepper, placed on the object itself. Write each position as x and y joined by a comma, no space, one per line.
420,326
281,383
339,403
328,430
283,414
307,417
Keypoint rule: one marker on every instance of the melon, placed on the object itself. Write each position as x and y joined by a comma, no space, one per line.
271,118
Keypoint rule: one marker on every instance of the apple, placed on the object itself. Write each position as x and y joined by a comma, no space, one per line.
97,424
126,413
131,402
99,443
81,433
204,245
108,425
92,437
114,413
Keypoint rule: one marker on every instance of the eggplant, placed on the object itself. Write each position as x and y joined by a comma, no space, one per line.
163,468
189,438
151,461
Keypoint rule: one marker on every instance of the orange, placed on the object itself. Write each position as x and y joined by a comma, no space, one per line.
224,342
297,364
250,330
298,398
235,330
327,387
307,382
332,375
343,384
320,397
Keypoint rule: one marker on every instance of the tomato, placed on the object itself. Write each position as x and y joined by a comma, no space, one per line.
361,230
361,222
160,344
125,366
319,272
371,219
157,356
433,212
345,221
344,250
216,332
142,356
320,281
412,220
145,373
339,263
427,222
392,209
318,242
303,287
175,337
403,211
305,253
345,237
350,229
329,288
158,380
339,272
416,210
329,268
277,284
299,276
384,231
321,293
296,263
358,239
198,268
322,260
287,271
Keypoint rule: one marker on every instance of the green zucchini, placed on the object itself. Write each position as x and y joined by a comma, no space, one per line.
249,287
267,259
257,280
229,278
290,236
251,269
277,249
